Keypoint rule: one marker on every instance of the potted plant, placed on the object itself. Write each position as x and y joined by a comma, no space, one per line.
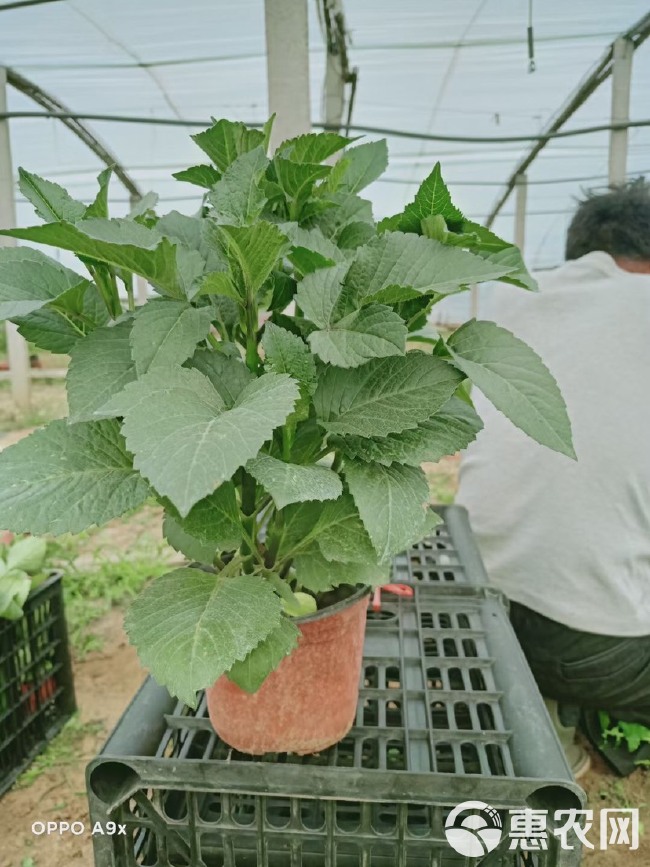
276,396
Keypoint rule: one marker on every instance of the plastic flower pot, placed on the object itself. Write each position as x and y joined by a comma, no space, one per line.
309,702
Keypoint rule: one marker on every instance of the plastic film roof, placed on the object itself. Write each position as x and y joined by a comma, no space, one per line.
457,69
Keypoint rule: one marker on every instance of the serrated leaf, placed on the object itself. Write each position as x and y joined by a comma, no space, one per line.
432,198
516,380
355,235
292,483
252,253
451,429
313,147
317,574
390,501
58,326
375,331
395,259
184,543
384,396
363,165
334,525
165,333
99,206
345,208
195,233
65,478
100,366
143,206
227,140
321,298
297,179
251,672
170,268
237,198
311,250
285,352
229,376
14,590
215,520
28,554
200,176
51,201
189,627
179,413
29,280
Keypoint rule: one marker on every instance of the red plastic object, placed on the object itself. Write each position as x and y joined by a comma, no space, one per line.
309,702
395,589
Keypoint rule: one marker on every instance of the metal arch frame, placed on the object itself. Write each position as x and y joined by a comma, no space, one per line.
636,35
51,104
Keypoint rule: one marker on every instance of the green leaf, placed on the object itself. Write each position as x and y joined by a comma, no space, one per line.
165,333
311,250
375,331
384,396
126,244
189,627
51,201
229,376
251,672
215,520
395,259
314,147
226,140
184,543
195,233
27,554
285,352
297,179
58,325
292,483
252,253
200,176
184,439
99,207
363,165
237,198
432,198
345,208
391,502
451,429
100,366
321,298
317,574
515,379
143,206
65,478
336,527
355,235
14,590
29,280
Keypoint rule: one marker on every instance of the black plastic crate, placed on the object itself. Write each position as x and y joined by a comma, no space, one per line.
446,560
448,712
36,686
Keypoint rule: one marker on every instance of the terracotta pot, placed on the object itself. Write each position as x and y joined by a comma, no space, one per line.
309,702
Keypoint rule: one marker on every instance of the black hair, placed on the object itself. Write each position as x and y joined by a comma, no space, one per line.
616,222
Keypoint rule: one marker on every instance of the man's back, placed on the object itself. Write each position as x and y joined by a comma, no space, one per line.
572,540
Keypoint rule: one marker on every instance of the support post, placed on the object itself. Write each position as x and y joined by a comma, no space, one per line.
521,195
621,81
287,62
17,349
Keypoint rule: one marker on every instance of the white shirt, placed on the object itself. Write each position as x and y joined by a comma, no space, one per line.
571,540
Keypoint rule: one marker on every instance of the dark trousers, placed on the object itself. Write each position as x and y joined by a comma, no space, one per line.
595,672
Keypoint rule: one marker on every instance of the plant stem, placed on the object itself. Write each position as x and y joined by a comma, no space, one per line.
252,358
338,460
249,545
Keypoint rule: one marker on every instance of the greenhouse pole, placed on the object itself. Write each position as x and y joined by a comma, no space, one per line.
17,350
621,81
287,62
521,195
